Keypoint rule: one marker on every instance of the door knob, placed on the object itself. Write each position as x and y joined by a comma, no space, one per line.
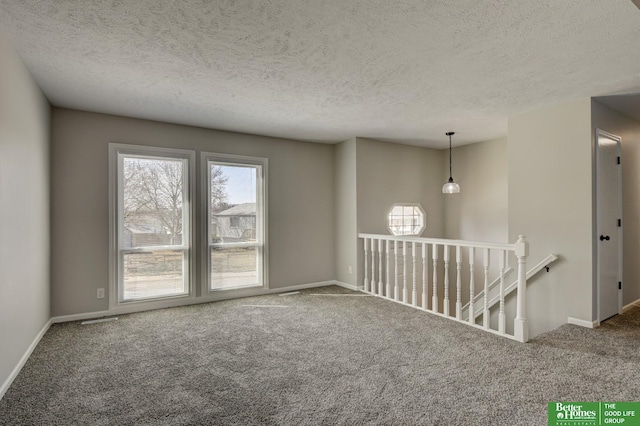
603,237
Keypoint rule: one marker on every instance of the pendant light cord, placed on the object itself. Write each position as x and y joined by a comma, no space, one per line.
450,173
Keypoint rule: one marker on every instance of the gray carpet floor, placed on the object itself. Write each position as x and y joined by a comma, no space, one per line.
317,360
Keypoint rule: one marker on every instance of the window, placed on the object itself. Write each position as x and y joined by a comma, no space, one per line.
235,221
152,216
406,219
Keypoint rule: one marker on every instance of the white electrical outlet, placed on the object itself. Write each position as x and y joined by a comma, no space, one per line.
350,270
101,293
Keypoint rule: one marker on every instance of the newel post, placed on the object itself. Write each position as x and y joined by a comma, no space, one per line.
521,330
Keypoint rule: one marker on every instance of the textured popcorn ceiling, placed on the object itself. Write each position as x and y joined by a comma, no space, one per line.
405,70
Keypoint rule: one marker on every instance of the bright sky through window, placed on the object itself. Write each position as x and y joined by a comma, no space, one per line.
241,184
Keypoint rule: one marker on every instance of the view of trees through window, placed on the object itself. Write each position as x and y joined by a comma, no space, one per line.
153,216
154,213
153,200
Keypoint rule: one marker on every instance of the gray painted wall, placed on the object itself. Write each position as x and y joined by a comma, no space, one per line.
301,200
628,129
24,210
370,177
346,219
389,173
480,211
550,202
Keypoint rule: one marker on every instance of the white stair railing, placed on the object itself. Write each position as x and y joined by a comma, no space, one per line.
406,262
544,263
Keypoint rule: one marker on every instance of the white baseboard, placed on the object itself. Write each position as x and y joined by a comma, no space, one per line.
583,323
625,308
301,287
348,286
218,296
79,317
23,360
594,324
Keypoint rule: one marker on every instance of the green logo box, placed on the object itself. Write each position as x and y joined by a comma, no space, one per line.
593,413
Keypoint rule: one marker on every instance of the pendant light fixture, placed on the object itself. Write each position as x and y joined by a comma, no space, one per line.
450,187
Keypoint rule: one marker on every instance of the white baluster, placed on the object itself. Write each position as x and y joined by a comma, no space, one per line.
388,268
521,331
472,284
404,271
425,276
380,256
501,315
373,266
366,266
434,297
445,302
414,293
458,283
485,315
397,270
388,244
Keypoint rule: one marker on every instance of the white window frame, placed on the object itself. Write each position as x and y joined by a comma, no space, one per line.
415,205
116,152
262,208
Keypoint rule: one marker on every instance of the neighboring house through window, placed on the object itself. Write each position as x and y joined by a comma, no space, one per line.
152,223
236,211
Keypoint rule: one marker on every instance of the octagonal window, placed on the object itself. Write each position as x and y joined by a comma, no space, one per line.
406,219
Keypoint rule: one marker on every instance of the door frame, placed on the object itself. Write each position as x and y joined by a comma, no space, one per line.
603,133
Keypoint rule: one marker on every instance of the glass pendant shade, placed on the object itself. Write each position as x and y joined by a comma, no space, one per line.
450,187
